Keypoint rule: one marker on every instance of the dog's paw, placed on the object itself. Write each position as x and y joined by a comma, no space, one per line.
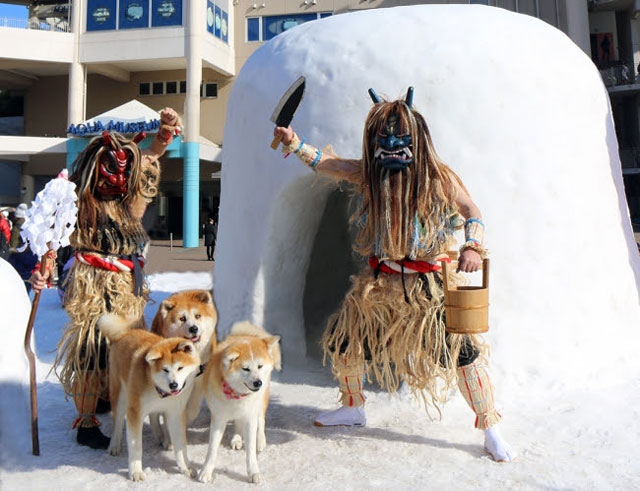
236,442
205,476
114,450
188,471
257,478
166,444
137,476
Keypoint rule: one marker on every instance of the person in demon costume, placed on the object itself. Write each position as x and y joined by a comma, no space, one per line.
115,181
391,323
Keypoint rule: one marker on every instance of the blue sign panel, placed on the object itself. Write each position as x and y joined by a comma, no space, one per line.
101,15
224,29
217,22
210,19
134,14
273,25
166,13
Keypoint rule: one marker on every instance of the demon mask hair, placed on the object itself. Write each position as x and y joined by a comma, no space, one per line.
408,193
108,169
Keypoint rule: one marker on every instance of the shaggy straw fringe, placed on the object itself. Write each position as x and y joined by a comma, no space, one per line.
86,300
406,340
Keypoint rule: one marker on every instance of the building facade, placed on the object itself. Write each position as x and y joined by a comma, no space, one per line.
73,60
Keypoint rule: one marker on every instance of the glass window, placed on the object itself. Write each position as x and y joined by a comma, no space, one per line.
217,23
211,90
253,29
171,88
210,16
166,13
273,25
479,2
183,86
325,14
134,14
144,88
224,28
101,15
158,88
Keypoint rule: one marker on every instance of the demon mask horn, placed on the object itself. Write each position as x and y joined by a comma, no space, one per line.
409,98
374,96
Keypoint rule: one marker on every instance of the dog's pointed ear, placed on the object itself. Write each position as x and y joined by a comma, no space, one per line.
153,355
229,358
273,345
167,305
204,296
187,347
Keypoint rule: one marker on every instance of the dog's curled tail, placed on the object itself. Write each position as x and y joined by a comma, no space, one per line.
114,326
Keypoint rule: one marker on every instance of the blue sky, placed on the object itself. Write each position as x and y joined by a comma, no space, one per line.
13,11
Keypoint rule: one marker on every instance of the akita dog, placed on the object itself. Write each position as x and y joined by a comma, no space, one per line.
148,374
190,314
236,385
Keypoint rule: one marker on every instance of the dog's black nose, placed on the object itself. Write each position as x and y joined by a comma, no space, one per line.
174,385
257,384
193,329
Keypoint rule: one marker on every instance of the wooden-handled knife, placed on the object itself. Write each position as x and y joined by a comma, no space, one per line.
286,108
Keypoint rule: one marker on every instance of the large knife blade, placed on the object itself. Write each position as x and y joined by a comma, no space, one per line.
287,106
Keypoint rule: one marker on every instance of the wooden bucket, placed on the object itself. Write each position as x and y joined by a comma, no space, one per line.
467,307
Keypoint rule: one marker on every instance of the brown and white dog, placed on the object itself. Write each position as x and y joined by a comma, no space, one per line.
190,314
236,384
148,374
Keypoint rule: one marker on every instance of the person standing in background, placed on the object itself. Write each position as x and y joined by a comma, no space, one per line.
18,221
5,236
210,237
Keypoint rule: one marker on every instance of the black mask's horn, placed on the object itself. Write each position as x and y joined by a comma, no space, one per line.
409,99
374,96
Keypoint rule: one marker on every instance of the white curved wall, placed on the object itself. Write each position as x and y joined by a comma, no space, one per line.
515,107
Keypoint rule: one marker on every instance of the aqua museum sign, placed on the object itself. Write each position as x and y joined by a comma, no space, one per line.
98,127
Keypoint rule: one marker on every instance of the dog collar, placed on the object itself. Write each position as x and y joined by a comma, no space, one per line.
164,394
229,392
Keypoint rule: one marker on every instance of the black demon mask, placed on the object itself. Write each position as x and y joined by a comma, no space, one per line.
393,142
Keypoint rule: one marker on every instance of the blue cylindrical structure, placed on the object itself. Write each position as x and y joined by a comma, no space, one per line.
74,147
191,193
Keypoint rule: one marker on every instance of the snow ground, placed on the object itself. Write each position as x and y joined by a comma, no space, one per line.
583,439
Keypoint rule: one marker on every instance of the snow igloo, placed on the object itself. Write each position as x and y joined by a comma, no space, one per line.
514,107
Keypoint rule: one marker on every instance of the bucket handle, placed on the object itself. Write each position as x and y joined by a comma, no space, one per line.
485,274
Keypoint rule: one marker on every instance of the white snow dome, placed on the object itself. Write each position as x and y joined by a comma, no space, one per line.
514,107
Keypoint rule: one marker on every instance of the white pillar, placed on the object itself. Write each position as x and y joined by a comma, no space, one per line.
191,147
77,79
195,24
27,188
578,24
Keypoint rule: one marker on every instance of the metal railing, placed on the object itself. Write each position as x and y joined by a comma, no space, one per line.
618,75
62,25
629,157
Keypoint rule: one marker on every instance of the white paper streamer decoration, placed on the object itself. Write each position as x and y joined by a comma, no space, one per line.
51,218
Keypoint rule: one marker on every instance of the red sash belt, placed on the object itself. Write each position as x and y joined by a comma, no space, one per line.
407,266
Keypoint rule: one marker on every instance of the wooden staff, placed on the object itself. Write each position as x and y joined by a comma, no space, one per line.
46,263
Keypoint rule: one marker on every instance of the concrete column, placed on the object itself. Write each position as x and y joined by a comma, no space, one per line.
578,24
27,189
77,79
191,178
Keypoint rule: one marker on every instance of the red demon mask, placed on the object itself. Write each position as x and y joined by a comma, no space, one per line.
114,169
